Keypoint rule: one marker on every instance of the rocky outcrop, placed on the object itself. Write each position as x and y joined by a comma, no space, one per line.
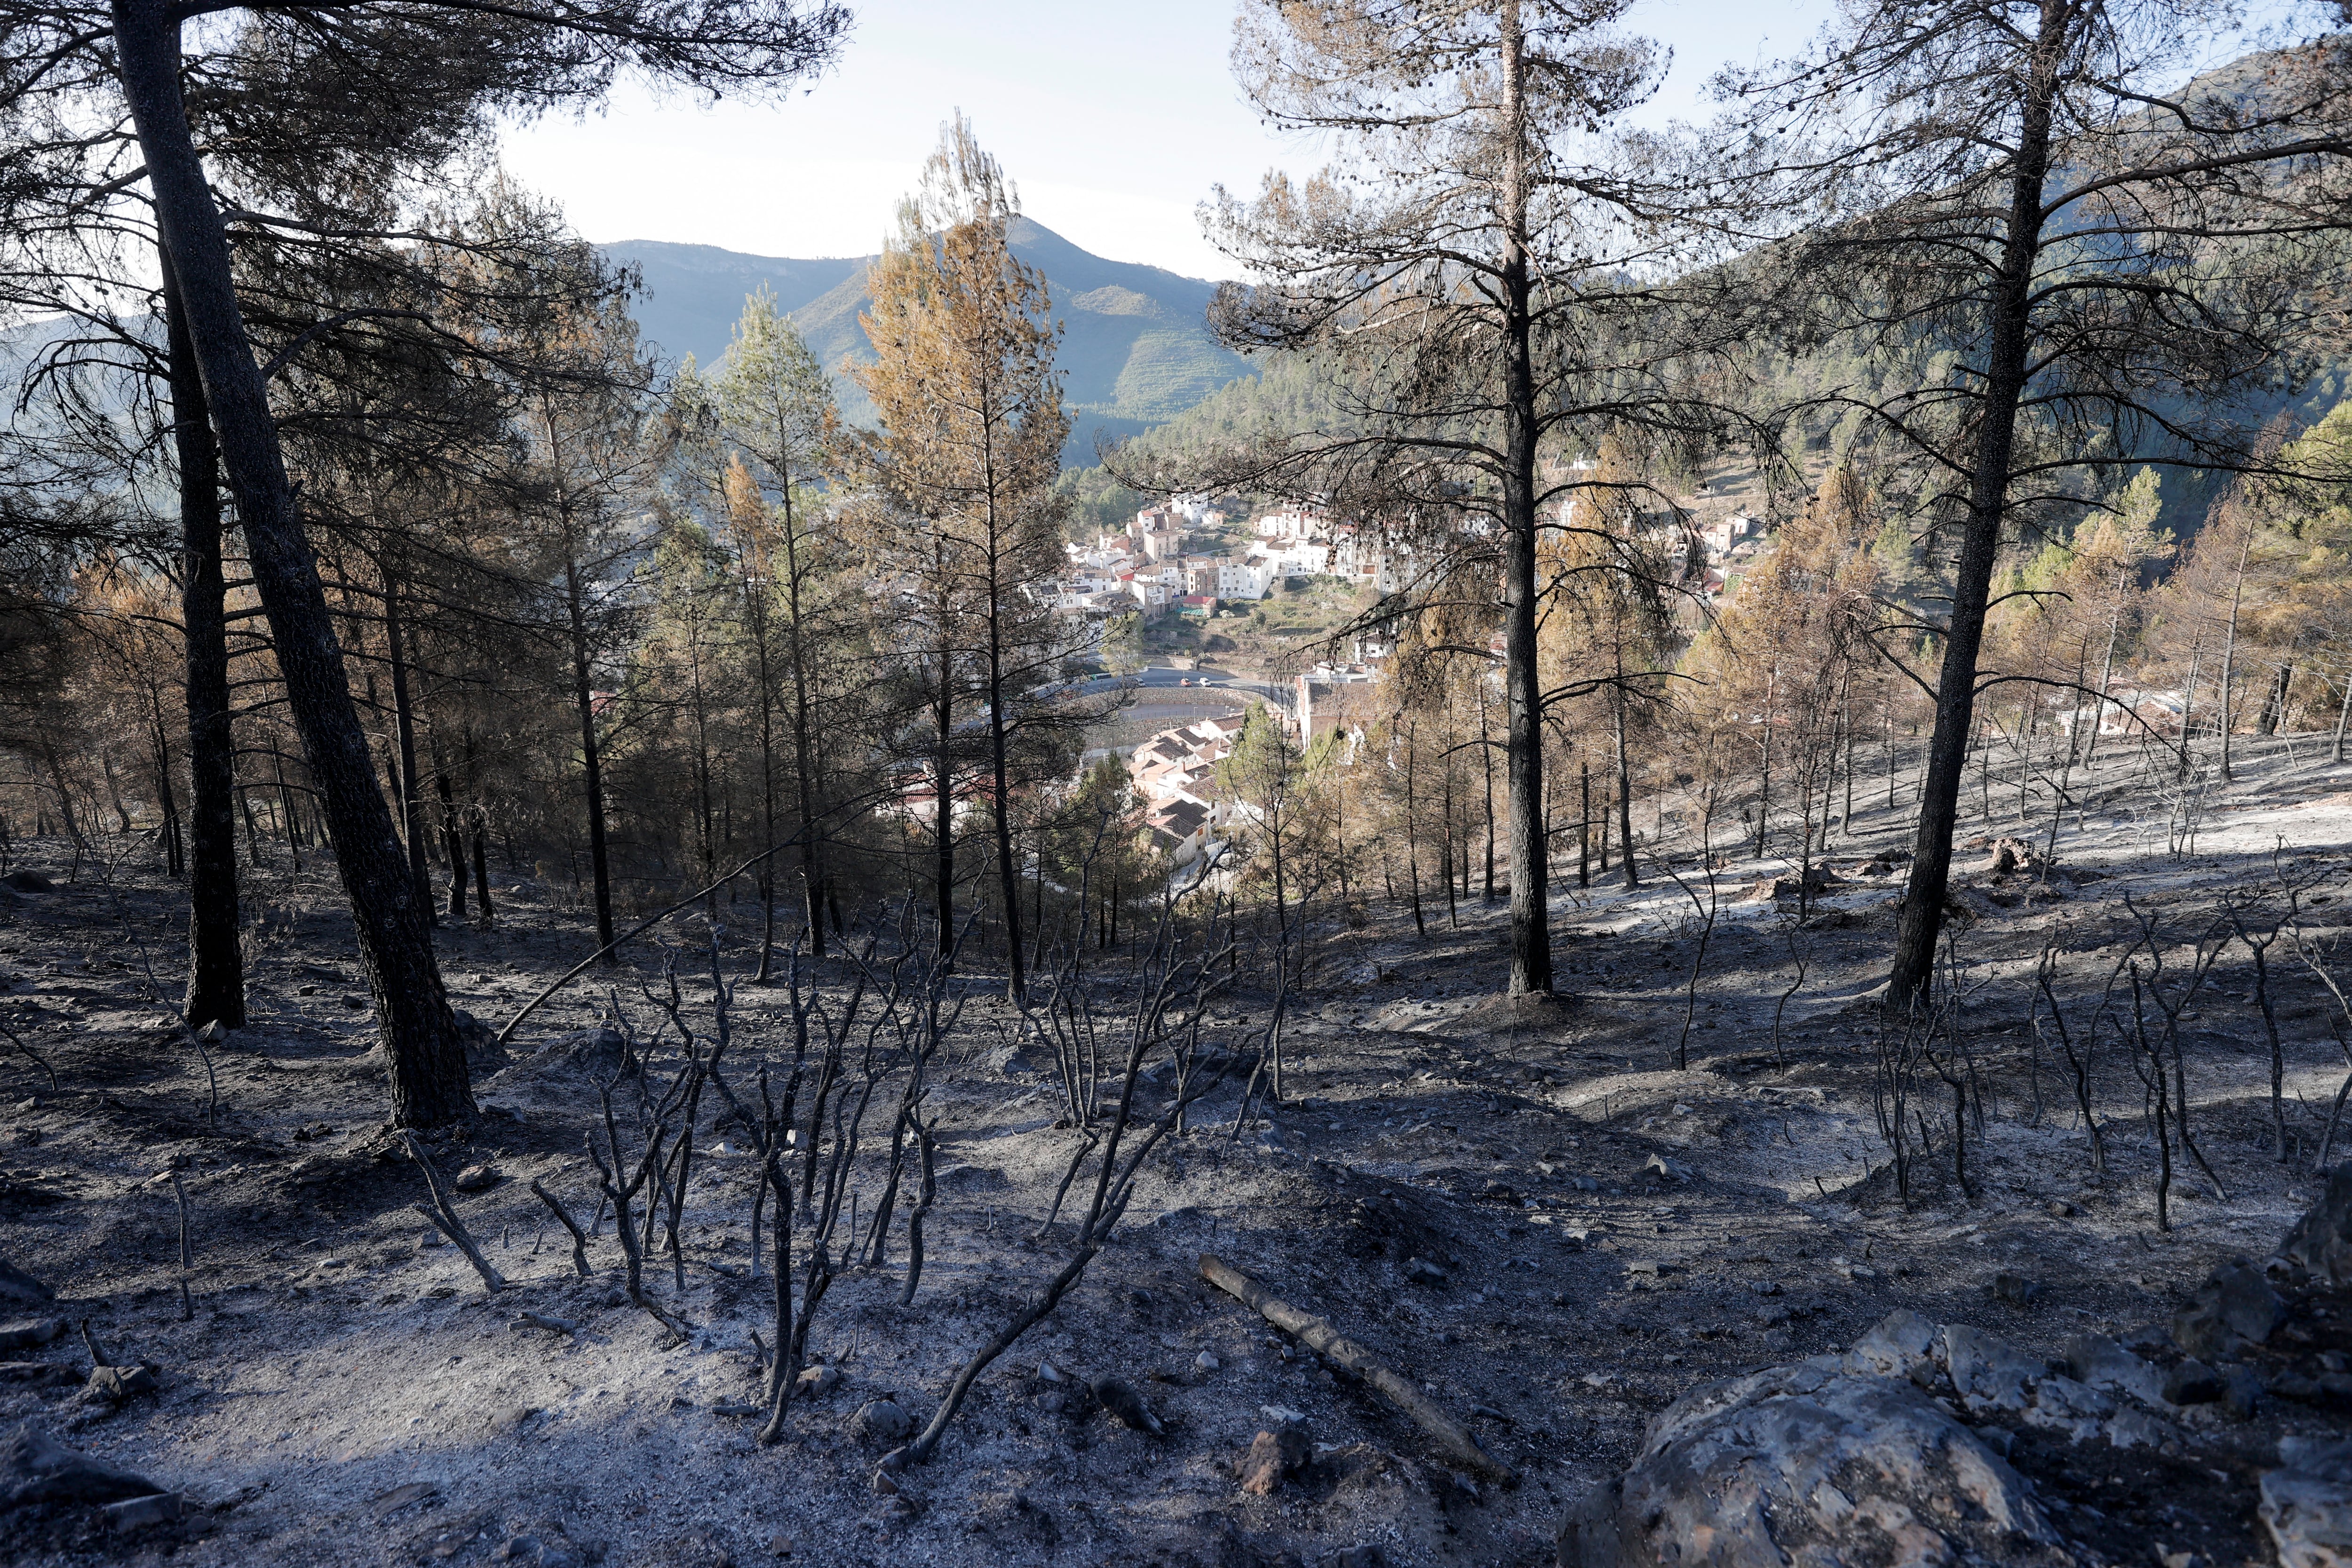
36,1469
18,1288
1817,1462
1889,1453
2320,1244
2308,1502
2234,1309
2016,857
602,1053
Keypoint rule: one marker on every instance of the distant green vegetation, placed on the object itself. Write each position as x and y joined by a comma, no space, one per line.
1136,347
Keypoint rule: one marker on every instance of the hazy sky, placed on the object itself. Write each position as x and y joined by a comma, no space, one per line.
1114,120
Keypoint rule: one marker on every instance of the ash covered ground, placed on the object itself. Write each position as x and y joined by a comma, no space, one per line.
1534,1215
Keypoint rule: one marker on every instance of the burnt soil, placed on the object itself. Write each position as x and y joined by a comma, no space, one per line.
1611,1229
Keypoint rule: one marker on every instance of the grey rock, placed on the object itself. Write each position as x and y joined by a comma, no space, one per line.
881,1421
1672,1170
2233,1309
2193,1383
31,1333
2105,1365
1125,1406
116,1383
541,1549
36,1468
2062,1405
1274,1457
1013,1061
1987,1373
2321,1241
2131,1429
816,1380
2013,856
2306,1503
599,1053
483,1052
139,1512
24,880
1810,1463
20,1288
1420,1271
2241,1392
1901,1344
2017,1289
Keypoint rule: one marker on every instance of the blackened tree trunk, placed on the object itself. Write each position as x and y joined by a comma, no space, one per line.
403,722
2274,713
756,614
804,745
426,1060
1522,681
286,808
592,765
2010,322
480,815
167,799
1008,872
1624,774
482,871
945,894
216,993
1584,824
453,842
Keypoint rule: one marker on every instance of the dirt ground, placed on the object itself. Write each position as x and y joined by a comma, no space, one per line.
1537,1217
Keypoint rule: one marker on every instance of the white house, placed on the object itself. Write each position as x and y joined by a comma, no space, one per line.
1289,522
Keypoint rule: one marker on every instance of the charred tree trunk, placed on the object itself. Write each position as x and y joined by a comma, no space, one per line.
453,840
167,799
216,993
1624,778
481,815
403,723
1584,824
426,1060
1922,919
1008,871
592,764
804,746
1522,684
944,895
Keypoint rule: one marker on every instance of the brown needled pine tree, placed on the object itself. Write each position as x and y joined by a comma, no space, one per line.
971,443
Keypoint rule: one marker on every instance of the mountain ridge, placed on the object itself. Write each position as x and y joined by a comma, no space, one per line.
1136,348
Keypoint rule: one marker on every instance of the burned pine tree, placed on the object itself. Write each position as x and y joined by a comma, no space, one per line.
69,63
2046,263
1480,278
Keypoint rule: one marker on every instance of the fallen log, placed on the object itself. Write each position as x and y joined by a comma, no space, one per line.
1326,1342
